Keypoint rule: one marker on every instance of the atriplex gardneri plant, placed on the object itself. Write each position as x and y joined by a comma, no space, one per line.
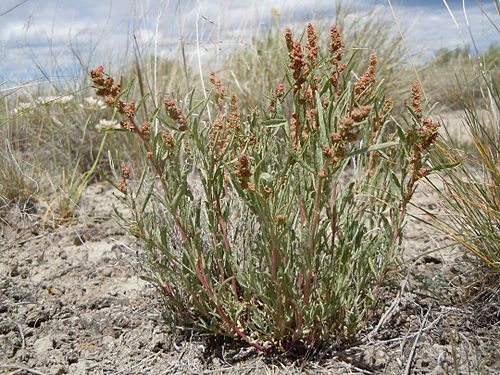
275,228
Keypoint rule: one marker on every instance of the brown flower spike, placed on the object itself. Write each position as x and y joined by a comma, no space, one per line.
312,46
416,98
336,46
367,79
125,175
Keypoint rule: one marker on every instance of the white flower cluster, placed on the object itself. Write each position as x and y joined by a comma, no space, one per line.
26,107
61,100
23,108
92,103
108,125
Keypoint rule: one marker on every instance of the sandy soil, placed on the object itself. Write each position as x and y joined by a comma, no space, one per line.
71,302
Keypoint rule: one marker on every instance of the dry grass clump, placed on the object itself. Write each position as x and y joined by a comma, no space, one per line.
471,194
453,75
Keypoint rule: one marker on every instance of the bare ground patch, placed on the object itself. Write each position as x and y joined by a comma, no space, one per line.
71,302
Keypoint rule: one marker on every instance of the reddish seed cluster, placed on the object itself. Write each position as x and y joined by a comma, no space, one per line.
346,134
311,118
129,109
378,119
309,96
278,93
109,100
336,76
361,113
367,79
220,91
288,39
280,90
427,134
187,147
336,46
224,127
347,131
218,126
127,125
336,53
242,172
146,129
312,46
234,116
389,103
421,173
325,102
107,88
125,175
168,139
333,154
416,98
125,172
175,113
297,63
214,81
252,140
298,66
267,189
218,137
97,75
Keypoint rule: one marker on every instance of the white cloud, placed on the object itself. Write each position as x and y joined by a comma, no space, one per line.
432,28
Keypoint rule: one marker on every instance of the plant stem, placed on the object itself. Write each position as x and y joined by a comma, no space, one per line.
159,173
201,276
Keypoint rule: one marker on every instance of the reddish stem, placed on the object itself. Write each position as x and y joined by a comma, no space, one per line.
334,215
159,173
223,226
200,272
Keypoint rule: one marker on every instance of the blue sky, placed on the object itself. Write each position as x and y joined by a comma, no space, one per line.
56,35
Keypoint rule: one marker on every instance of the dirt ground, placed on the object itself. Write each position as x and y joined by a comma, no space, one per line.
71,302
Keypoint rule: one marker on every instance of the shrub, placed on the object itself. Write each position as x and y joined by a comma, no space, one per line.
274,228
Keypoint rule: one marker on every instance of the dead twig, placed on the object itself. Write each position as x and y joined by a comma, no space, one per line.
415,343
389,312
15,367
21,333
